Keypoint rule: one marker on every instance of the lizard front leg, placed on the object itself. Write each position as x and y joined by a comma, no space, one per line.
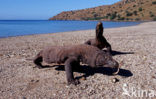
70,62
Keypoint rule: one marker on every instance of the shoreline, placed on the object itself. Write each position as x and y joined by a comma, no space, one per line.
139,22
76,30
134,48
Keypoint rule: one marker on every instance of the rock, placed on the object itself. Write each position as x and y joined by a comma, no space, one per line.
1,54
83,78
24,98
154,77
115,80
57,72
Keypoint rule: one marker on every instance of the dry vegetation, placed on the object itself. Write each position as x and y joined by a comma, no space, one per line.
125,10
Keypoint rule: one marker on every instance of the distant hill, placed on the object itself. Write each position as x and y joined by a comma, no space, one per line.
125,10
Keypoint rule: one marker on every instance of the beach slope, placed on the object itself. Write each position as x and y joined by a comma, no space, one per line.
133,47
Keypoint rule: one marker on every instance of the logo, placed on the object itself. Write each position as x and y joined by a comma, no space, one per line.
137,92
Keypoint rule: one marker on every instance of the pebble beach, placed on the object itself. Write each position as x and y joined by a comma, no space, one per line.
134,48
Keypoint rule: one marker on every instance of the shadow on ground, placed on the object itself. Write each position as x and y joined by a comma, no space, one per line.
89,71
120,53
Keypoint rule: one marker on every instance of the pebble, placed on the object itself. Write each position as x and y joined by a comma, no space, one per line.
96,86
83,78
1,54
115,80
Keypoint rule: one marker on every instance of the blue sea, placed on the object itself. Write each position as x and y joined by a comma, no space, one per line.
9,28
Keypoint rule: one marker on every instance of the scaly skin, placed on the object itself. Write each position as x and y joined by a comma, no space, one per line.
71,56
99,41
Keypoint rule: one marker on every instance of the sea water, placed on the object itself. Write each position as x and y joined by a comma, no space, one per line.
9,28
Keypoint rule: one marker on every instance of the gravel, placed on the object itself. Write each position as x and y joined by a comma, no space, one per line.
134,48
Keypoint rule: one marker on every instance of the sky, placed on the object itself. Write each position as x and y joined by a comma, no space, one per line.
43,9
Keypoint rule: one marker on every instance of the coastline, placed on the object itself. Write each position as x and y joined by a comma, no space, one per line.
20,79
32,27
75,31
